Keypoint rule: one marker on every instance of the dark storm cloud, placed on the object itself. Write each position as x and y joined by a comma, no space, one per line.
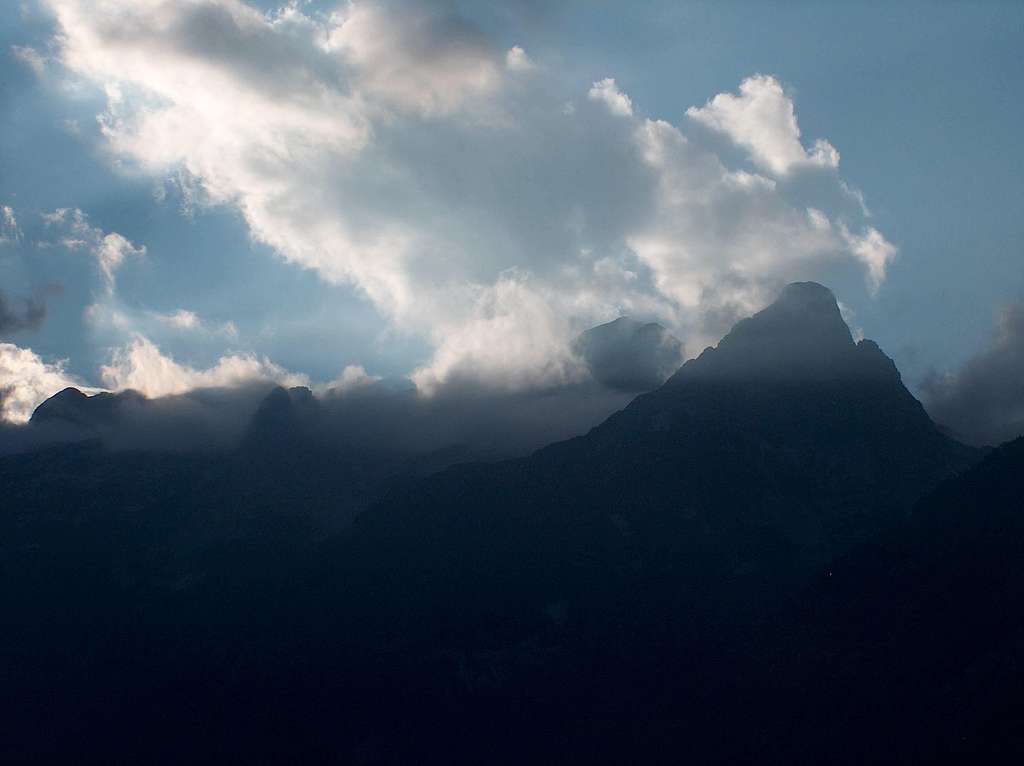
24,314
983,402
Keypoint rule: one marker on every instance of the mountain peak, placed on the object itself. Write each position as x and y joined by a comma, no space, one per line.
72,407
805,314
801,336
282,414
808,294
628,355
67,405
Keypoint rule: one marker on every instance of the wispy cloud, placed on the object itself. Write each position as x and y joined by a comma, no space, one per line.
110,249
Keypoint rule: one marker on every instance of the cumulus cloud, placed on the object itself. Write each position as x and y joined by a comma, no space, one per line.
415,57
26,380
109,249
762,120
394,147
141,366
608,93
983,402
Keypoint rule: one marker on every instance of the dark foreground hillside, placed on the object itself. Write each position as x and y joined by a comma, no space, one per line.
912,645
738,566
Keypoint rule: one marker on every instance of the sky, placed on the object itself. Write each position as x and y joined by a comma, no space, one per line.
209,192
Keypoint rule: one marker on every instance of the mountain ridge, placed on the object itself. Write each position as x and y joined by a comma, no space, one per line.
621,595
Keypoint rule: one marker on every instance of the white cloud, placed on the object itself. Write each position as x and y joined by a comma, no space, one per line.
31,57
874,250
10,232
414,57
393,147
608,92
141,366
189,321
109,249
513,340
762,120
517,60
352,377
181,319
26,381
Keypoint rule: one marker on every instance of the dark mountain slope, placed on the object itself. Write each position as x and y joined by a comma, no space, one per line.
754,464
615,597
617,586
912,645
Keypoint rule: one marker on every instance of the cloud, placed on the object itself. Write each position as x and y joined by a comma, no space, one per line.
983,402
10,232
517,60
351,378
607,92
26,381
109,249
415,57
29,318
30,57
873,250
181,319
141,366
159,403
189,321
762,120
111,252
511,341
394,147
180,407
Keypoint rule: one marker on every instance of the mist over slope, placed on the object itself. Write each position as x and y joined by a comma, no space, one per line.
617,360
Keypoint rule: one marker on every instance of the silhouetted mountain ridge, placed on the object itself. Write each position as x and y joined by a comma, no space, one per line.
747,460
800,337
655,589
72,407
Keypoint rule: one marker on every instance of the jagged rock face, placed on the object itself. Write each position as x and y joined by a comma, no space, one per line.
628,355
